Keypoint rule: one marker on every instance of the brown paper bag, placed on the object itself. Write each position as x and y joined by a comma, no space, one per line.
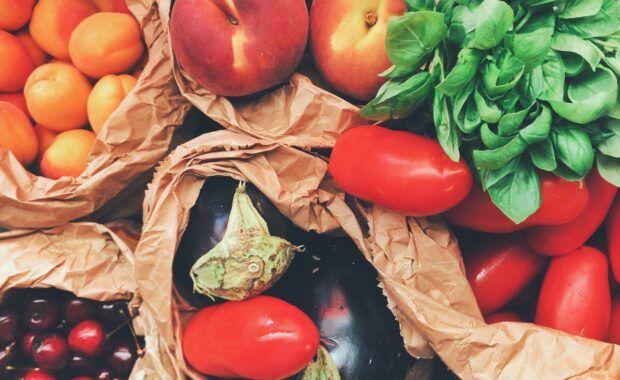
89,260
298,185
297,113
133,139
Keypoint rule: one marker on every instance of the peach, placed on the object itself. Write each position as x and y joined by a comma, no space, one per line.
45,138
106,43
57,94
239,47
17,133
105,97
112,6
15,63
68,154
347,39
15,13
53,21
37,55
17,99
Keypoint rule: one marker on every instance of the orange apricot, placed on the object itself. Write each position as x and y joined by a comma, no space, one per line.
37,55
112,6
53,21
68,154
17,133
45,138
17,99
15,13
15,63
57,94
105,97
106,43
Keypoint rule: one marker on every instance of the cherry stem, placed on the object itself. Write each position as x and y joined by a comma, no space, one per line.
139,349
114,330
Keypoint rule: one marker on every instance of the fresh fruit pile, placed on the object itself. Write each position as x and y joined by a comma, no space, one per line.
48,334
66,64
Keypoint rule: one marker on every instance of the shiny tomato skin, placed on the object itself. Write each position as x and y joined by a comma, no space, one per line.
562,201
614,322
263,338
613,238
503,316
564,238
575,295
398,170
501,268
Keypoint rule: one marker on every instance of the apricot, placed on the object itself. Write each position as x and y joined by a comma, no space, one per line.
53,21
112,6
15,63
106,43
45,138
235,47
37,55
105,97
57,94
17,133
15,13
17,99
68,154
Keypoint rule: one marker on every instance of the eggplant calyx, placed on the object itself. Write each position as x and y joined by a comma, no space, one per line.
322,368
247,261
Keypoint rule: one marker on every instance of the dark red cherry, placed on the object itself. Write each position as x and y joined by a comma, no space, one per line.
88,338
82,378
82,365
50,352
26,345
9,327
122,358
114,313
7,359
106,374
77,310
42,313
39,375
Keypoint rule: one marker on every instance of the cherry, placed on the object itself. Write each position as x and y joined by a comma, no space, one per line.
76,310
113,313
7,359
50,352
106,374
88,338
41,313
26,345
82,378
39,375
9,327
81,365
122,358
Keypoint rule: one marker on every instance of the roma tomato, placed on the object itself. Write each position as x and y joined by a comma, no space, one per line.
261,338
613,238
400,171
575,295
503,316
562,201
564,238
614,322
500,269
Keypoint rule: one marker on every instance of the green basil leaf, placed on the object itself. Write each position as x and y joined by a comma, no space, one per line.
572,44
447,133
465,113
462,73
420,5
509,101
553,77
604,23
542,3
497,158
490,178
510,122
462,23
573,64
580,8
488,110
609,168
614,113
533,41
517,194
491,139
611,145
501,76
592,96
411,38
531,86
614,63
538,130
573,148
493,19
543,156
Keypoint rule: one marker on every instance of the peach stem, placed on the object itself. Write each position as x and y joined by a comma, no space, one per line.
370,18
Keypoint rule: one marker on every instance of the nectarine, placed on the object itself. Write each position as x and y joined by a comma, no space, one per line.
57,94
239,47
106,43
112,6
17,134
17,99
68,154
45,138
105,97
15,13
37,55
347,39
15,63
53,22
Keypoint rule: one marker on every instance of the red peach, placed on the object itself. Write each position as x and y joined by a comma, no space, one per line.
15,13
37,55
17,133
15,63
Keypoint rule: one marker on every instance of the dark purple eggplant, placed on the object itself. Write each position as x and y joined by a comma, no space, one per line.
334,284
207,225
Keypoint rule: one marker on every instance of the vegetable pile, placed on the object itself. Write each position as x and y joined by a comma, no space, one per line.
517,88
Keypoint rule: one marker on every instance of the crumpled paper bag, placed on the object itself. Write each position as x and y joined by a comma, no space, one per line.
407,252
297,113
87,259
133,140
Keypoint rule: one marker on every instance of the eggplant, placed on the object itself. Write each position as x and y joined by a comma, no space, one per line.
207,227
334,284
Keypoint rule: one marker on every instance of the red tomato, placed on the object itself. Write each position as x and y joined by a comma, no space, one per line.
614,322
503,316
575,295
261,338
564,238
613,238
562,201
500,269
400,171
